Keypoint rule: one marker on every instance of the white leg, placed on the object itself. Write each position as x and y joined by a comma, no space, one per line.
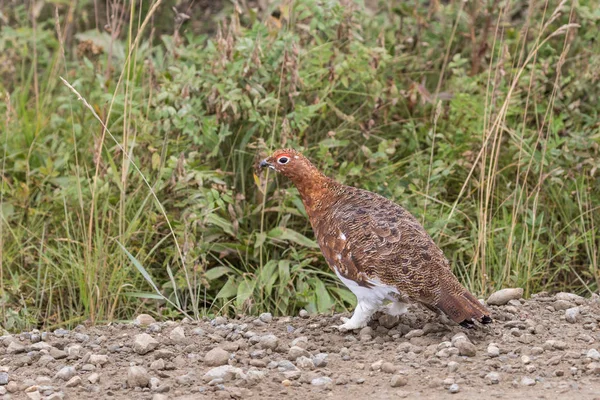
395,308
362,314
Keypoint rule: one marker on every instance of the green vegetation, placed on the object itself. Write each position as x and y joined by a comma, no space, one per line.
130,185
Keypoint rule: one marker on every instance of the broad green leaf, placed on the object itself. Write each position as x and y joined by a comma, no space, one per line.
244,291
228,290
324,301
216,272
292,236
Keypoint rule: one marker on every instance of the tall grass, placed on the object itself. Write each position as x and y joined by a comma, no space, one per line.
128,152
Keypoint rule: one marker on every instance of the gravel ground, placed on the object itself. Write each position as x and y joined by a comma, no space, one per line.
545,347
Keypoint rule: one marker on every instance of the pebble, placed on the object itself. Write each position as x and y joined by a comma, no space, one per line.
465,348
452,366
493,351
225,372
398,381
320,360
321,381
15,348
74,381
593,368
66,373
144,343
177,335
295,351
216,357
572,315
3,378
94,378
137,377
388,368
266,317
303,313
502,297
57,354
593,354
98,359
526,381
493,378
305,363
414,333
560,305
12,387
269,341
454,388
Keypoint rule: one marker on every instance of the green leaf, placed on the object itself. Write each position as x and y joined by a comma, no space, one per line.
345,295
216,272
228,290
244,291
324,301
292,236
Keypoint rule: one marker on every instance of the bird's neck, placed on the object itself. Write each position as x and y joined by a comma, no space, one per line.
315,189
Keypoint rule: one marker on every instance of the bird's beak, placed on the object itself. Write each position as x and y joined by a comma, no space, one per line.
263,164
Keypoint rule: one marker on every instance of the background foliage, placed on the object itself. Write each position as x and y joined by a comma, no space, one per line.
130,185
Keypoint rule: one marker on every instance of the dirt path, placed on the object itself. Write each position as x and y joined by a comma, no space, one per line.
546,347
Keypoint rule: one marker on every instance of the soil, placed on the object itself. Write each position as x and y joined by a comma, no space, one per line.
545,347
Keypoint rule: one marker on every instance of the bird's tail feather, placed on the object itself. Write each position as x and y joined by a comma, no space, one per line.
463,308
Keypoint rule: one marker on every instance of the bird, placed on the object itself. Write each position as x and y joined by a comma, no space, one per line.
379,251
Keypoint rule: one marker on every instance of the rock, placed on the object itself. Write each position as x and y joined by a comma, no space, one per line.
388,368
216,357
526,381
321,381
198,332
465,348
74,381
94,378
398,381
592,353
454,388
137,377
452,366
158,365
593,368
493,351
303,314
56,396
81,337
144,343
57,354
225,372
560,305
501,297
493,378
98,359
572,315
144,320
414,333
295,351
388,321
568,297
320,360
301,341
269,341
305,363
3,378
12,387
15,348
66,373
154,384
177,335
266,317
35,395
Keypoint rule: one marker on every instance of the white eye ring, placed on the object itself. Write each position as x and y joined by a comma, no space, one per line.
283,160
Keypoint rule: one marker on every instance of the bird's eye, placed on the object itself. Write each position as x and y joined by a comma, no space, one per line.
283,160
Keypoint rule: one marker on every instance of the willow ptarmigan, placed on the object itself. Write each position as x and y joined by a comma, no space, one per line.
377,248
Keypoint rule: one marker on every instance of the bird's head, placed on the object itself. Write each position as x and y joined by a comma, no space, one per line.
290,163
